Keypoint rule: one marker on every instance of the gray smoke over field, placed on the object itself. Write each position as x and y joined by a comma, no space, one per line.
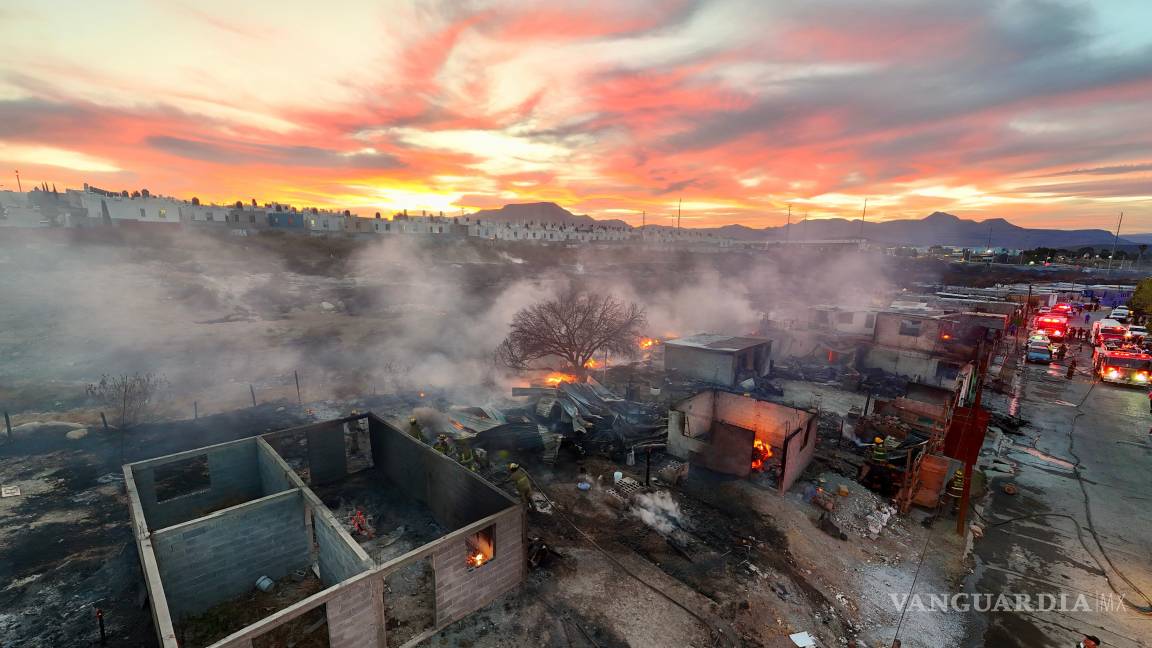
659,511
217,312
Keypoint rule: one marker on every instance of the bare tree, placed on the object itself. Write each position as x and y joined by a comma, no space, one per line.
132,399
574,327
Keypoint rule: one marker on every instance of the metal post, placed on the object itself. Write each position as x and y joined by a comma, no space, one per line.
252,390
300,398
647,466
8,424
104,420
195,410
100,620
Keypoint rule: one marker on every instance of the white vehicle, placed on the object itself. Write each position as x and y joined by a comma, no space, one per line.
1136,331
1044,309
1119,313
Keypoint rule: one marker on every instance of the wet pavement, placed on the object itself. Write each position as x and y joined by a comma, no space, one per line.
1080,524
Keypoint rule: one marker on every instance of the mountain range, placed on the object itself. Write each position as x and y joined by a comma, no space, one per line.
938,228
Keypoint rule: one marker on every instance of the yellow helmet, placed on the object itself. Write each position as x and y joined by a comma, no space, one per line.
878,440
513,466
412,420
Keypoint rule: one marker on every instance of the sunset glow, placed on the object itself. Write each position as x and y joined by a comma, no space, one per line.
1033,111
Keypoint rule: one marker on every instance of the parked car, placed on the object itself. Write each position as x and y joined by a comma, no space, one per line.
1137,333
1038,352
1044,309
1120,313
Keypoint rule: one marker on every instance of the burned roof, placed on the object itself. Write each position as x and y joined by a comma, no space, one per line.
717,342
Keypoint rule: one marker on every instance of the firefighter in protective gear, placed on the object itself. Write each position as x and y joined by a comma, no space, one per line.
466,457
414,429
441,445
519,477
879,451
956,489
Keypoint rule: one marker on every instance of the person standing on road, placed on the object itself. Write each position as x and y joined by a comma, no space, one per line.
1150,400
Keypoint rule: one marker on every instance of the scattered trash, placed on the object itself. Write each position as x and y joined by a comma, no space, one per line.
9,491
977,531
265,584
1010,489
77,434
802,639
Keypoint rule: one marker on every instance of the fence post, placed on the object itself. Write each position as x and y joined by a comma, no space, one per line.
104,420
299,397
8,424
195,410
252,390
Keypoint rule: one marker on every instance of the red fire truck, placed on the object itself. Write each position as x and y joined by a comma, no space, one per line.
1055,326
1124,367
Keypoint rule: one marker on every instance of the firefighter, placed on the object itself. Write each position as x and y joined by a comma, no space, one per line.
956,489
414,429
879,451
466,457
519,477
1150,401
441,445
1061,351
1071,369
1089,641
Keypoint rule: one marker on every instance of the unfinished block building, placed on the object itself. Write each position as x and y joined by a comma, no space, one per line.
212,523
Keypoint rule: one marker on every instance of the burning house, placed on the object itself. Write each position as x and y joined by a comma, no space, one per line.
718,359
742,436
348,527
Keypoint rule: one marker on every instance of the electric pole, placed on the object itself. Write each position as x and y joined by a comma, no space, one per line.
18,185
679,204
1115,240
863,215
788,227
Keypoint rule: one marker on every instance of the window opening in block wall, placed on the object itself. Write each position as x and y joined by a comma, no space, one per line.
480,547
181,477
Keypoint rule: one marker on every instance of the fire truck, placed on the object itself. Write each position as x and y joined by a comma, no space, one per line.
1055,326
1108,329
1127,367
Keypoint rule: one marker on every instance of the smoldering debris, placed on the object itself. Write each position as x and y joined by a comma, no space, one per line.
659,511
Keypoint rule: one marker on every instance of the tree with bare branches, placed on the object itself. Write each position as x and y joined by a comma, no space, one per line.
573,327
133,399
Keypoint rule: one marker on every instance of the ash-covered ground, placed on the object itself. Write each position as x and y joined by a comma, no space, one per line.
386,325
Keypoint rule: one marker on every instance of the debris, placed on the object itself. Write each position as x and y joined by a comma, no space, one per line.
802,639
842,490
77,434
977,531
1010,489
828,526
265,584
9,491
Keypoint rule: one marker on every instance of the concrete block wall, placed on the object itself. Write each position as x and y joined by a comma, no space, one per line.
233,478
455,496
273,477
771,421
356,616
337,560
712,366
461,590
216,558
327,456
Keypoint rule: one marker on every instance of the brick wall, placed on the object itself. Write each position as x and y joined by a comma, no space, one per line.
455,496
338,561
356,616
460,590
219,557
233,476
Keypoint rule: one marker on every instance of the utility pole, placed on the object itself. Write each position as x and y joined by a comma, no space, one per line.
989,246
863,215
788,227
679,204
1115,240
643,225
18,185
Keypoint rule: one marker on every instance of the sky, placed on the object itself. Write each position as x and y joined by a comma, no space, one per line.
1038,111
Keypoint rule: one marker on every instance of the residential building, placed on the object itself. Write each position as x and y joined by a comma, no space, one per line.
719,359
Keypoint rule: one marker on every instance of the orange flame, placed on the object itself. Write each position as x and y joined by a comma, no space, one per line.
556,377
477,560
648,343
592,364
760,453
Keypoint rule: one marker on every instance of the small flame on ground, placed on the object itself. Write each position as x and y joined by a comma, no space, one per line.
761,452
592,364
648,343
556,377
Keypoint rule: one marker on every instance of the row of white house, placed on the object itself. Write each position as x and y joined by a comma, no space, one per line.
90,206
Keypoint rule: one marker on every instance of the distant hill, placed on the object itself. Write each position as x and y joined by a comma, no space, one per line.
938,228
542,212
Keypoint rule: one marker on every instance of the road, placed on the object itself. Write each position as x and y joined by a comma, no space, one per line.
1086,455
